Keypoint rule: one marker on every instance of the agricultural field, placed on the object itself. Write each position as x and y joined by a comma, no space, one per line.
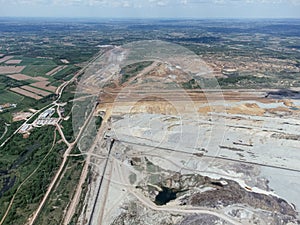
11,69
32,78
13,62
37,70
8,96
23,92
5,58
55,70
36,91
20,76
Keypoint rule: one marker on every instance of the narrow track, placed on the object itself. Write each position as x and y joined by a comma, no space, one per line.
100,184
62,166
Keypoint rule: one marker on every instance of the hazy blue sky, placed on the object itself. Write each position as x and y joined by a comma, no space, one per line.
152,8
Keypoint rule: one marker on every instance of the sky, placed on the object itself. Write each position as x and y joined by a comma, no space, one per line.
151,8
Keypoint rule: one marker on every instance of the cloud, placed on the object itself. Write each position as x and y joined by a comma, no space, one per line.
184,2
158,2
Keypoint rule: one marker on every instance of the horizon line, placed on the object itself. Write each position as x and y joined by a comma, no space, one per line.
154,18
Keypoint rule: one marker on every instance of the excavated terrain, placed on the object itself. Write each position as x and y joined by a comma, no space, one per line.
170,155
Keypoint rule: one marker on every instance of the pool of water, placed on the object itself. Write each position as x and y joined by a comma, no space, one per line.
165,196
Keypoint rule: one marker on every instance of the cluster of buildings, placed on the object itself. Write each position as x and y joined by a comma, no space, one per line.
44,119
47,114
49,121
7,106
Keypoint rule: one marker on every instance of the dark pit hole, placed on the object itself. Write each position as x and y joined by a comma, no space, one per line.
165,196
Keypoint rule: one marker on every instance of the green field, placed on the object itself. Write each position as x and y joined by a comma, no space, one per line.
23,103
56,83
35,61
34,67
38,70
67,73
9,97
